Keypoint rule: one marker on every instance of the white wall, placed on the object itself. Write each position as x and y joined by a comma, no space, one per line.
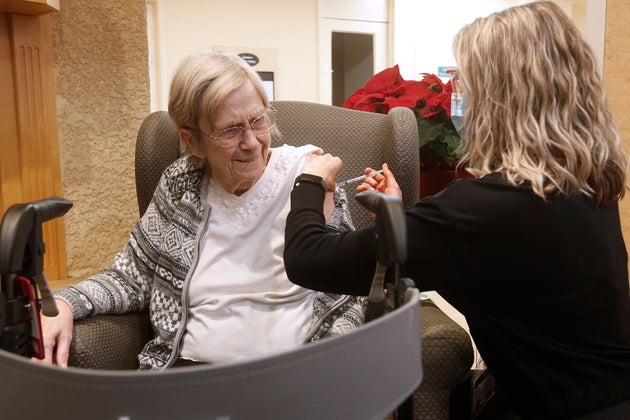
423,31
181,27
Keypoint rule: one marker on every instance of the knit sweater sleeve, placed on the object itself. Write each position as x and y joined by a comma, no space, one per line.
125,286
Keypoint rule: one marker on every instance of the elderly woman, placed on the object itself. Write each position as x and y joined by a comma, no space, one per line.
207,256
531,250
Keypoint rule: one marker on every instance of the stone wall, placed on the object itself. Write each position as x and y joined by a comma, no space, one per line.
102,83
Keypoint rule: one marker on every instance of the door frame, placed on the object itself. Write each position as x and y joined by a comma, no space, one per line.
378,30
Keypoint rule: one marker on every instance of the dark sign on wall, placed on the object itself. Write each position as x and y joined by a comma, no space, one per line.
251,59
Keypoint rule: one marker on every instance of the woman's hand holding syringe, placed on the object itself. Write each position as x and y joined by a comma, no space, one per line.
382,181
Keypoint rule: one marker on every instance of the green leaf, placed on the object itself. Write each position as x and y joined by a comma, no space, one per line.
428,131
440,140
454,145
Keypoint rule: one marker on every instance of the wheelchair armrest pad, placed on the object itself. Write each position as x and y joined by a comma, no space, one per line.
109,341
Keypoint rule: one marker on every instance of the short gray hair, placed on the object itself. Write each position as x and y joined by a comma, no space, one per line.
202,81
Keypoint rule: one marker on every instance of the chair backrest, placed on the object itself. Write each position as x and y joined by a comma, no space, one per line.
157,146
360,138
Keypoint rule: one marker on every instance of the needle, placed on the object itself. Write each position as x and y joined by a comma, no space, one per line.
359,178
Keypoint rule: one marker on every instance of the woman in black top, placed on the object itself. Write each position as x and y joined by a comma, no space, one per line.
531,250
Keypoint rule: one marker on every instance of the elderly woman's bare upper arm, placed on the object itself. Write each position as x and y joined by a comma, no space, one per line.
329,206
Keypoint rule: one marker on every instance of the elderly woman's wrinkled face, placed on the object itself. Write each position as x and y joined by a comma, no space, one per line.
238,166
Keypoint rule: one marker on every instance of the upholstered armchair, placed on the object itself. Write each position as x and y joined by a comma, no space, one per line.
361,139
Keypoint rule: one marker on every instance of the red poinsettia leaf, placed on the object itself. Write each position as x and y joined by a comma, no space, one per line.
428,112
411,94
362,99
374,107
441,101
351,101
385,81
392,102
448,87
419,89
434,82
445,104
370,103
356,97
429,98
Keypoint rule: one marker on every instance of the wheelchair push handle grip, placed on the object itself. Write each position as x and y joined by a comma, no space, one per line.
51,207
390,225
22,245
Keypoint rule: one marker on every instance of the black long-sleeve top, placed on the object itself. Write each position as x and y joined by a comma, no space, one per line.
543,284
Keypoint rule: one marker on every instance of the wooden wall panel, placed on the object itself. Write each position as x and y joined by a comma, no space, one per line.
30,148
617,80
11,186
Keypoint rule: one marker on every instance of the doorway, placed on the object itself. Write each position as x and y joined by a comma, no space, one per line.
350,52
353,63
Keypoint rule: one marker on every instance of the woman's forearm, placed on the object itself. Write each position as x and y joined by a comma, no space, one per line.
319,260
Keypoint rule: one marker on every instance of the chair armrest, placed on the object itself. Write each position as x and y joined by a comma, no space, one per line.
109,341
447,357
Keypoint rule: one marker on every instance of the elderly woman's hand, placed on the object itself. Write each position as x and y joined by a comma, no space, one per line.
326,166
57,336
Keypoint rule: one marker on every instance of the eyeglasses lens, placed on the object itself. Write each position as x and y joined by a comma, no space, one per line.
259,125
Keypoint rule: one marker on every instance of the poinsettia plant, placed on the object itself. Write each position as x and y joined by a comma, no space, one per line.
430,100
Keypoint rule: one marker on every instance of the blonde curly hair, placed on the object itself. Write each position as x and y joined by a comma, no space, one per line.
537,111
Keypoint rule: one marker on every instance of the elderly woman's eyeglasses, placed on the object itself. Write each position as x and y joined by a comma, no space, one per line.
232,136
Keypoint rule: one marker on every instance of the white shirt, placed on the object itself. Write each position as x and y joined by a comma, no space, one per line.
242,305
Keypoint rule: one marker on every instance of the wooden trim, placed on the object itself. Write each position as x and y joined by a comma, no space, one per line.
29,7
11,185
37,143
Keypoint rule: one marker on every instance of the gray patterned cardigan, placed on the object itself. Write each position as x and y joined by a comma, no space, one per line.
152,268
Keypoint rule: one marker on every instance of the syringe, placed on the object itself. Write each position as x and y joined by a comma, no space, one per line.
359,178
